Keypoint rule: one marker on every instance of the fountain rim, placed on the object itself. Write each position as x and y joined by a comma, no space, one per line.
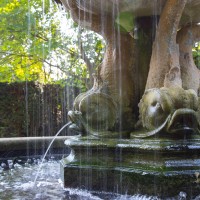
22,143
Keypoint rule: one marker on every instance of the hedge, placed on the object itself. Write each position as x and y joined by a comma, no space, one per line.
32,109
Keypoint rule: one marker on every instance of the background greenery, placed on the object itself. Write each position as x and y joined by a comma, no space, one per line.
196,54
45,58
32,109
39,42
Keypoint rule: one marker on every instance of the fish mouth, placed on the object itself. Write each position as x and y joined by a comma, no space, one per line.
76,118
183,120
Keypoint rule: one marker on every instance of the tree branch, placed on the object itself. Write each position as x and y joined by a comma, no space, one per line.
164,64
89,65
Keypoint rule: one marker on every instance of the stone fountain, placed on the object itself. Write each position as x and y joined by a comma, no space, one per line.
137,129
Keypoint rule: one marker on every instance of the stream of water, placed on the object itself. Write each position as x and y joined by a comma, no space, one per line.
39,169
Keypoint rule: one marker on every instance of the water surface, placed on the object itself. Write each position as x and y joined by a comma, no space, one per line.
18,184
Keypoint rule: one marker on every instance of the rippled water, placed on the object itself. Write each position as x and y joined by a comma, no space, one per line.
18,184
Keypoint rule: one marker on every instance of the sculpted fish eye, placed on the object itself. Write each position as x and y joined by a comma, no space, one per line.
154,103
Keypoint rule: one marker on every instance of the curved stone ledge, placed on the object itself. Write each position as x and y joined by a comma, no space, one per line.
26,143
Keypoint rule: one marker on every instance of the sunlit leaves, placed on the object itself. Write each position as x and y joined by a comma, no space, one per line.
39,42
24,39
196,54
125,21
8,6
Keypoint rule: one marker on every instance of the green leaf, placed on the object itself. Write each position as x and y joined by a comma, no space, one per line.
126,21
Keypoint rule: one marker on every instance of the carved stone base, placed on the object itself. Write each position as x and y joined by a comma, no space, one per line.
158,167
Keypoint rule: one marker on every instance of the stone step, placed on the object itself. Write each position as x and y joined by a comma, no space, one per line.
153,167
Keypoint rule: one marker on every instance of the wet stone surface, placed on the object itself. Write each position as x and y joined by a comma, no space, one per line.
18,184
156,167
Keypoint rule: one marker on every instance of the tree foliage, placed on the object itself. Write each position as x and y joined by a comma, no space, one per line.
39,42
196,54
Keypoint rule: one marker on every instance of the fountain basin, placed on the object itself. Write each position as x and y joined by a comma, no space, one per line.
21,143
31,147
18,182
159,167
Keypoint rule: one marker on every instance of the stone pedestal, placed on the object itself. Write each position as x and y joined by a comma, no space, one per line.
156,167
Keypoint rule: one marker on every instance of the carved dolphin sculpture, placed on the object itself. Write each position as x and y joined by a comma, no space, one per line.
98,111
169,110
94,113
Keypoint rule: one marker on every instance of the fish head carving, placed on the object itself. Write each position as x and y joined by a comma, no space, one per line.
170,110
154,108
